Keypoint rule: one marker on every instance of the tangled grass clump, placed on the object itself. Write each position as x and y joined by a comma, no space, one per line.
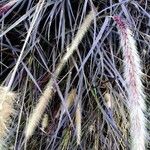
82,71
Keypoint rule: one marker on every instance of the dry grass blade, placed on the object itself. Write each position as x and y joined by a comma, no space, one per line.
35,17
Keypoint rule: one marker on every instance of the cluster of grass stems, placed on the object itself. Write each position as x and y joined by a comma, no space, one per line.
74,74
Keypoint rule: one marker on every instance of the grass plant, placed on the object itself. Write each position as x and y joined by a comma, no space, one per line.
82,72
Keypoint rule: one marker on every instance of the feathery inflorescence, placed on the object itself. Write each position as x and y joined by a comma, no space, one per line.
70,100
6,110
44,122
48,92
7,6
78,119
133,78
108,99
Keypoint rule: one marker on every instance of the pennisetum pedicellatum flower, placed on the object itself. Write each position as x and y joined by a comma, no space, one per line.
6,112
133,79
4,8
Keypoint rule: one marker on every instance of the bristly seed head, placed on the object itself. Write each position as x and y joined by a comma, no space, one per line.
133,79
120,22
4,8
6,110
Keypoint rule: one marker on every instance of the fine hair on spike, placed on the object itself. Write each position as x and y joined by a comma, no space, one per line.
78,119
7,6
6,111
44,123
70,100
133,79
48,92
